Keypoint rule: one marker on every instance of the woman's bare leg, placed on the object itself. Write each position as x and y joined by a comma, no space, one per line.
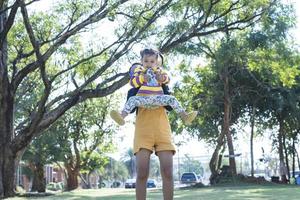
142,165
166,170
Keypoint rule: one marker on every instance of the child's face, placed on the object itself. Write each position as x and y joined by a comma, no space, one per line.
149,61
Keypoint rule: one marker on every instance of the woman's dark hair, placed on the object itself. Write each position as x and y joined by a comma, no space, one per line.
151,52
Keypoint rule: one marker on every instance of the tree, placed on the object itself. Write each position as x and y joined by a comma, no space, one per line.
46,47
94,163
191,165
192,22
36,156
79,139
116,170
42,40
154,168
236,74
83,138
129,161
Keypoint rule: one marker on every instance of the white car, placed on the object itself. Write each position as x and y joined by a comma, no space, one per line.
130,183
189,177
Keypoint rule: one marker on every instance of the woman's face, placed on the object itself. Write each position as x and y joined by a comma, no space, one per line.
149,61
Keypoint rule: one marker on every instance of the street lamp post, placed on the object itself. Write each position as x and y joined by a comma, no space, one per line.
178,144
178,165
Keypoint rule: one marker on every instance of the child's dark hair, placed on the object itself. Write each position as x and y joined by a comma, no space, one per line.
151,52
148,52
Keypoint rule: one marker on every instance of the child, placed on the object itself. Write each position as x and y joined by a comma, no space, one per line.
149,78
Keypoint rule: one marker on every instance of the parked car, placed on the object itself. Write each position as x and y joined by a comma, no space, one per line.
297,173
115,184
151,183
200,178
130,183
189,177
101,185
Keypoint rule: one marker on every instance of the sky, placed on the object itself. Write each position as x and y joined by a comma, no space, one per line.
192,147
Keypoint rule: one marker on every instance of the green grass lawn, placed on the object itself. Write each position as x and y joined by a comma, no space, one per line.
208,193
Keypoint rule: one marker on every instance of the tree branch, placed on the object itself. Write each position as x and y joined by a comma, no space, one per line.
41,63
100,14
195,31
9,22
116,55
82,61
25,134
10,7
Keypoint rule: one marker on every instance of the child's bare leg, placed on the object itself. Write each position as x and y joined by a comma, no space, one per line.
142,166
166,169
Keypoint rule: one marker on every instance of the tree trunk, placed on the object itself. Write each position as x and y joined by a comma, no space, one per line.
9,158
1,178
282,166
7,169
132,166
226,125
89,180
39,182
100,182
86,180
298,158
214,159
72,181
219,165
286,157
251,140
7,155
72,177
294,155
